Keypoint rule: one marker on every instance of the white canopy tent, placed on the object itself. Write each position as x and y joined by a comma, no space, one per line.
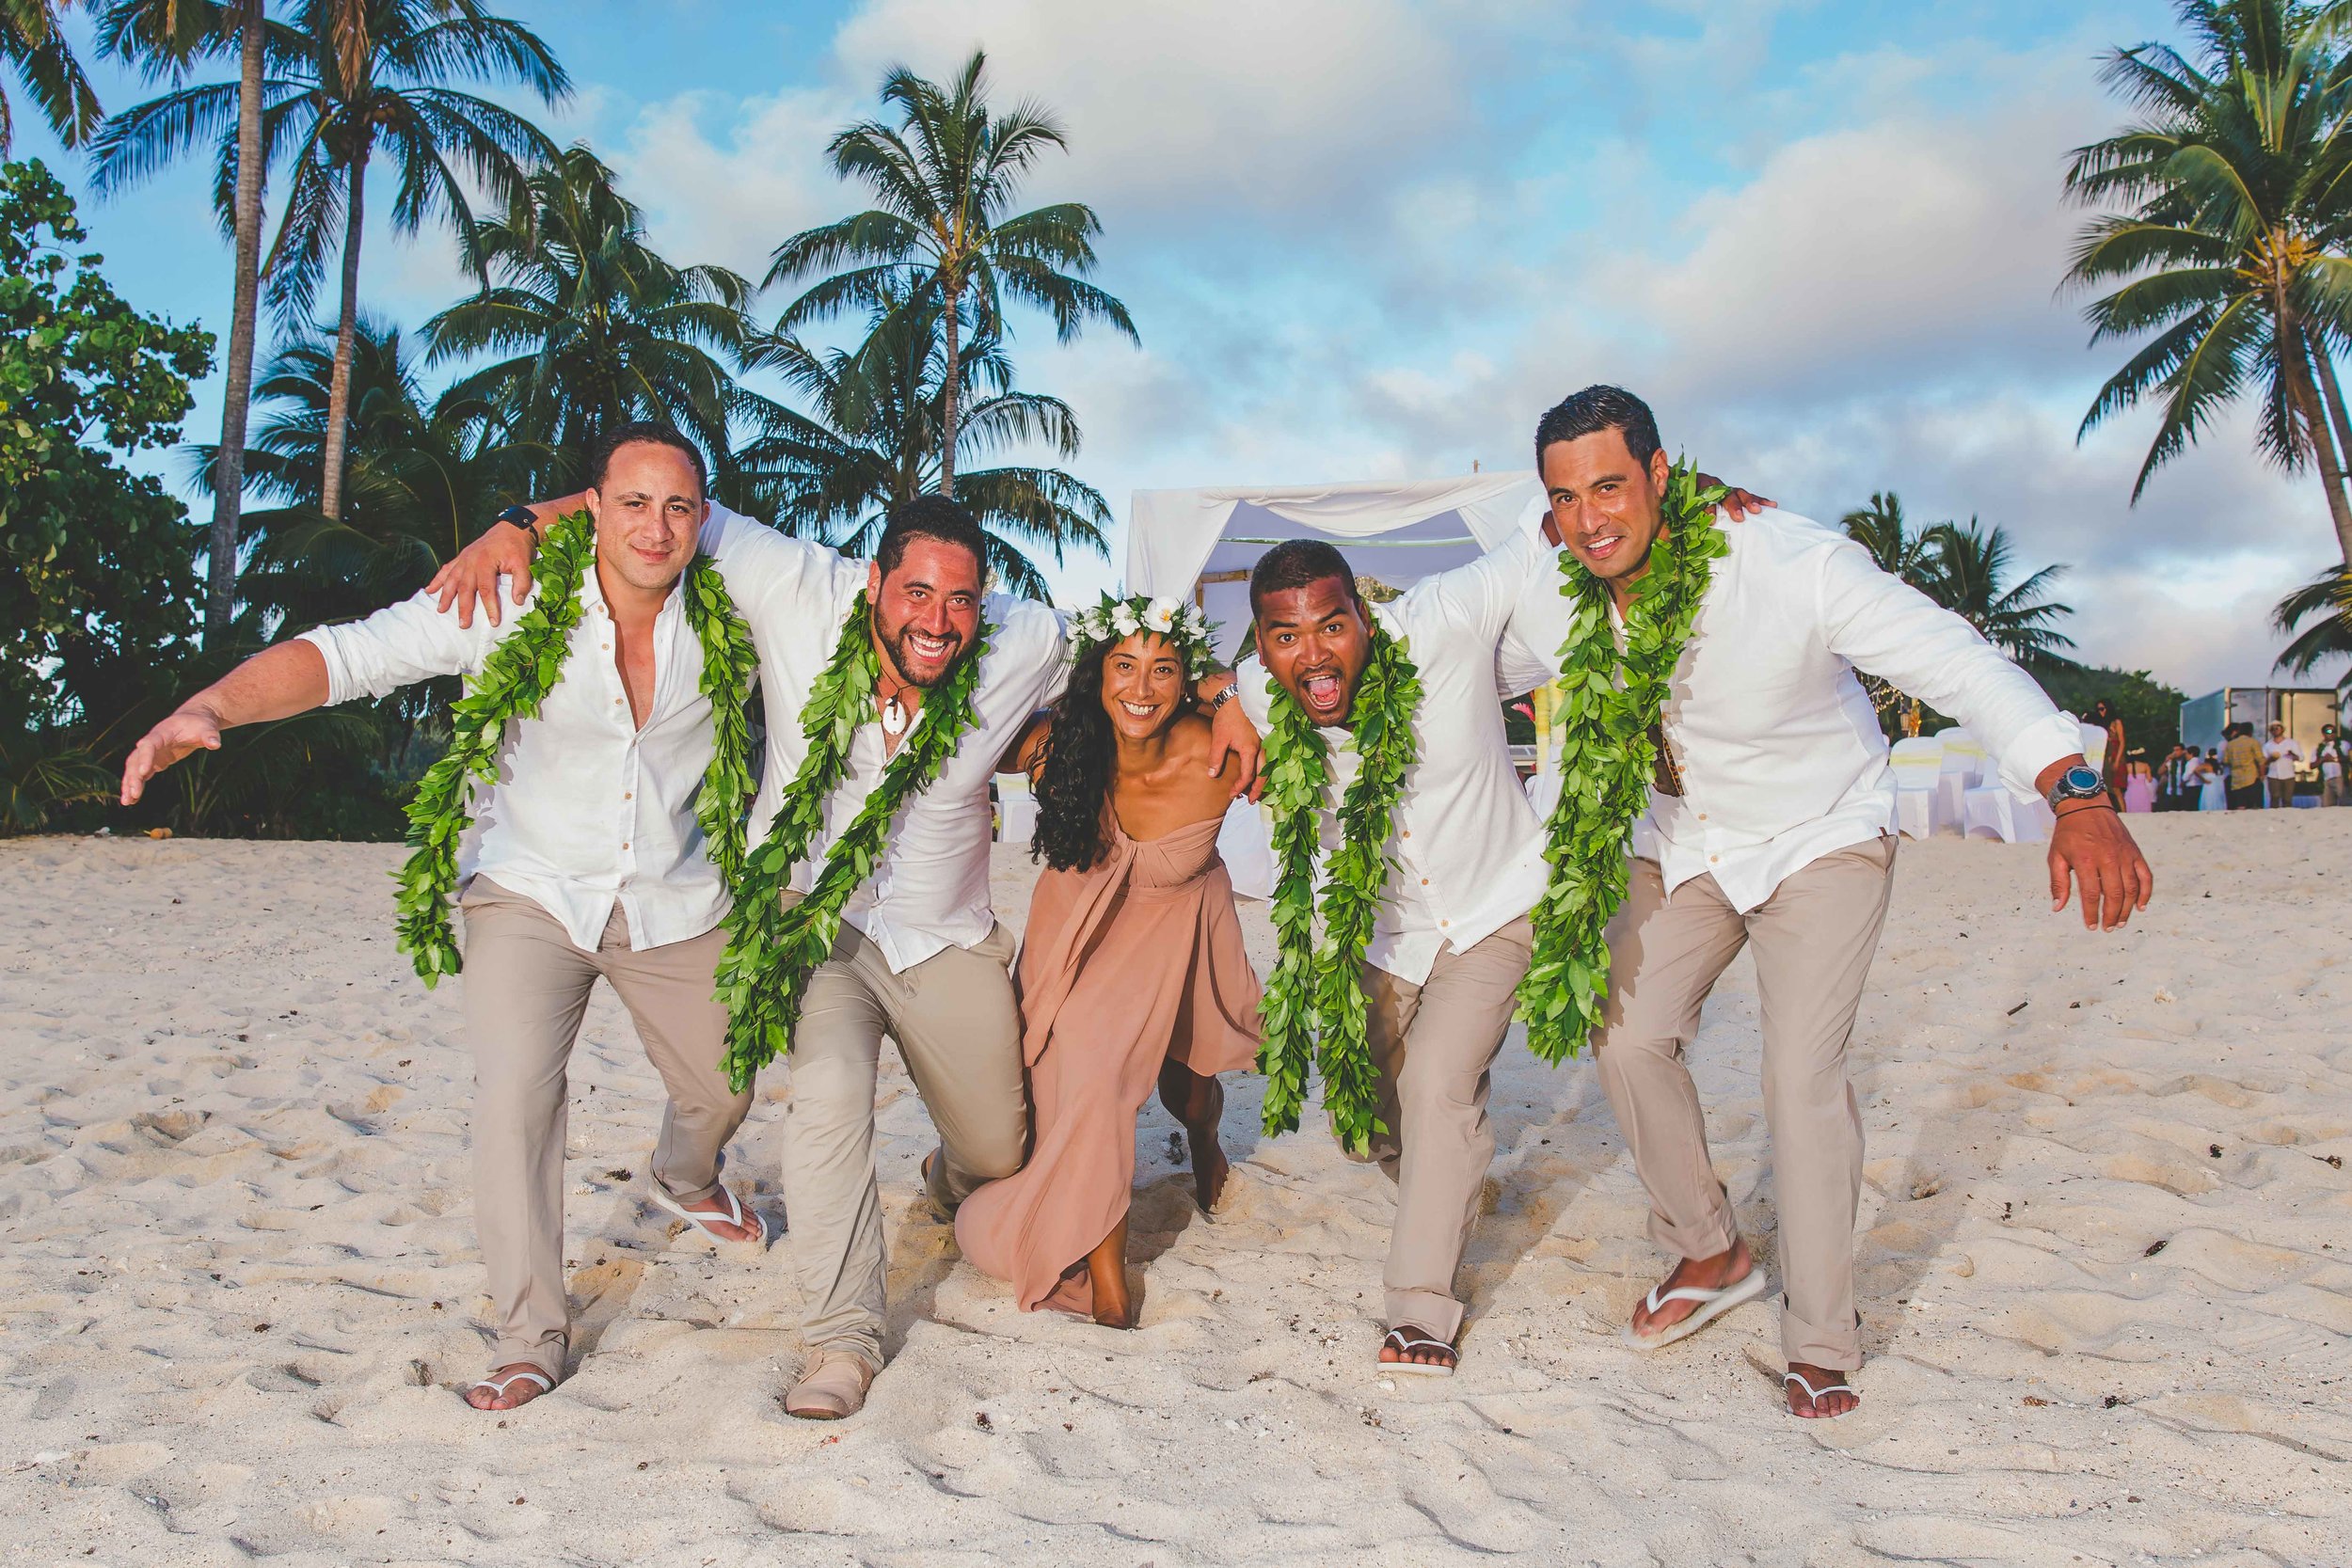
1202,543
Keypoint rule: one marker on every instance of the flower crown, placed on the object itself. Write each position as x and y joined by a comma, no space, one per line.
1113,618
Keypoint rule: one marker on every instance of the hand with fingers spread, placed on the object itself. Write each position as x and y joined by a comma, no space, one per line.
1740,504
470,578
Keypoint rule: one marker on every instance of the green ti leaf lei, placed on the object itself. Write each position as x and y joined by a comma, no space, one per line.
514,680
1318,995
1607,758
773,948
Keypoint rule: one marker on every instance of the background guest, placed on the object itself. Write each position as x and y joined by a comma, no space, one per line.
2334,752
2242,755
2114,766
2282,755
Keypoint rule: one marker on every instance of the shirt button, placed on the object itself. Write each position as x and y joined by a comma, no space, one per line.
1425,882
628,795
623,846
1714,859
1445,923
1702,817
1407,833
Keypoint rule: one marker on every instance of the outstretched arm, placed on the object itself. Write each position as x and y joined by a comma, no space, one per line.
275,683
1232,737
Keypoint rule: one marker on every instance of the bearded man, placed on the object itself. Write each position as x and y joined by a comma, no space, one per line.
587,858
919,954
1770,826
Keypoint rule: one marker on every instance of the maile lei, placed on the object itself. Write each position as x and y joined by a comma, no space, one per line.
514,680
772,947
1607,757
1318,995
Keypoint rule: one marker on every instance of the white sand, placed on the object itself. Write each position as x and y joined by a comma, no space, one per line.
238,1290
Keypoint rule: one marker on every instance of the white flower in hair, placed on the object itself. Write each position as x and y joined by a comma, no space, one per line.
1160,614
1124,618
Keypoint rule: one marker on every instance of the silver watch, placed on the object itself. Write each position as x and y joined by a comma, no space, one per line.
2078,783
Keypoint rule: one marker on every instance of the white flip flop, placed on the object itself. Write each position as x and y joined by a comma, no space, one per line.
1713,1304
1815,1394
736,1214
498,1385
1405,1343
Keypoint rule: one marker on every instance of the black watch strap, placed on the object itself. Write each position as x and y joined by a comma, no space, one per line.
521,516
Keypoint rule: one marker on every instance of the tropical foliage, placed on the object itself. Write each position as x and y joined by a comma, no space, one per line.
1966,568
871,437
2226,207
594,328
100,577
38,57
367,452
2325,604
940,240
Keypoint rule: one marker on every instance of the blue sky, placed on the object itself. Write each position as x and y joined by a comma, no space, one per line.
1369,238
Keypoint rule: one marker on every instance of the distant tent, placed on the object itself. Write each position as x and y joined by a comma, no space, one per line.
1201,543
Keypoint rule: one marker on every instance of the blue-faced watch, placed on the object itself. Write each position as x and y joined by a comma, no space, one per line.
2078,783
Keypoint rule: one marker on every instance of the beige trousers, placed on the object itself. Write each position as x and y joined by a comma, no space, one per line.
1812,941
526,988
958,1031
1434,1046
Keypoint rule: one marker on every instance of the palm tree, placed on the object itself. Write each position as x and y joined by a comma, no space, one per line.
2326,601
33,43
600,329
1880,528
940,239
873,437
2229,244
163,39
1968,575
328,110
421,479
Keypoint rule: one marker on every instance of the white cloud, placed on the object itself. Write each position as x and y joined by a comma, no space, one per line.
1294,111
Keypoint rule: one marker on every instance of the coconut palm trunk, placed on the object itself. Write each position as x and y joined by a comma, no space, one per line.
221,598
950,383
2331,394
346,338
2296,359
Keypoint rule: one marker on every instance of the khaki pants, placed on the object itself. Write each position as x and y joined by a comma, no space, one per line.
2331,792
1813,940
958,1031
526,987
2281,791
1434,1047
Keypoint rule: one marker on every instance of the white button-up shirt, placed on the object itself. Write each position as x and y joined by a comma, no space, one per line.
1465,846
1781,755
588,809
929,890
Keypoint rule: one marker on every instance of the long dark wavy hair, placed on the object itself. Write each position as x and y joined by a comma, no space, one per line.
1074,782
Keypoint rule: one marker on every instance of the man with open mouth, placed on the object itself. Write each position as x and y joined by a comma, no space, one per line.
1463,852
1769,825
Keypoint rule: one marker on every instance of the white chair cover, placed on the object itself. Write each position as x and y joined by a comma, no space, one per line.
1963,755
1916,761
1995,813
1914,813
2095,746
1016,812
1246,842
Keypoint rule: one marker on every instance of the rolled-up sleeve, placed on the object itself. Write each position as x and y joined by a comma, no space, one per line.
1884,627
402,644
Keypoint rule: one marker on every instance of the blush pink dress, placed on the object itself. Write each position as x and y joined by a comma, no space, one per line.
1126,965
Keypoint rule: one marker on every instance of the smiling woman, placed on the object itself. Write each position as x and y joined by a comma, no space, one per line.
1133,969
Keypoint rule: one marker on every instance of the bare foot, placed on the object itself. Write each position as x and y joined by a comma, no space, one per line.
726,1230
1702,1273
1836,1398
1199,1102
1407,1345
1106,1273
519,1382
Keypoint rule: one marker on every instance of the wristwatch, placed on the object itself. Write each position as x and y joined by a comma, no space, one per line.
521,516
2078,783
1233,689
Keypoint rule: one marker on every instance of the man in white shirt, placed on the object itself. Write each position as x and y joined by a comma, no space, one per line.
1451,937
585,859
1772,828
2285,754
2333,756
920,956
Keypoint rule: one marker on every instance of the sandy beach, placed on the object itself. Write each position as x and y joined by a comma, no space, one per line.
2107,1271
